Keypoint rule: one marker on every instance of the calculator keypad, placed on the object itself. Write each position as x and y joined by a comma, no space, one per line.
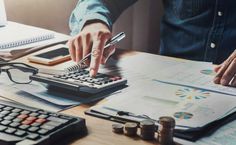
33,125
80,81
83,76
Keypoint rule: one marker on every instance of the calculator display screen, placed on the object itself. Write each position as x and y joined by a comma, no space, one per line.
54,53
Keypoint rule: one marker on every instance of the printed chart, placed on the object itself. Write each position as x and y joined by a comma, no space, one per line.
190,94
183,115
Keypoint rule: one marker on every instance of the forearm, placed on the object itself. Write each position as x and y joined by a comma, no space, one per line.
106,11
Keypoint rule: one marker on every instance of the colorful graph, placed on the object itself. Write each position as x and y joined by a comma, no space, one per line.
183,115
208,72
190,94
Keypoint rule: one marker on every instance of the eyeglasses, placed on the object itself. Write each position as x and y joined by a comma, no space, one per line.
18,73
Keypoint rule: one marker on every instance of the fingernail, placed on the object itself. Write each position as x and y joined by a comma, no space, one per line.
92,72
224,82
217,80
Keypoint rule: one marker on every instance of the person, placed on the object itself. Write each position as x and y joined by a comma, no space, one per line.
203,30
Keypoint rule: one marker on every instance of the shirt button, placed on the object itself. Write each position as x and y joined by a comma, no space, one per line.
213,45
220,13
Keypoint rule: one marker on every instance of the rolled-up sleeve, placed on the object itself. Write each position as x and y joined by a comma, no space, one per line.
106,11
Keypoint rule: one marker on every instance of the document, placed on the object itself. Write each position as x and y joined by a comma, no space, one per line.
194,74
190,107
226,135
146,67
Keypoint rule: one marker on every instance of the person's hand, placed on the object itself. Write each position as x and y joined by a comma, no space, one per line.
226,72
92,39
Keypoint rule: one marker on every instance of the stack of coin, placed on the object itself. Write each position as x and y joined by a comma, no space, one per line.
166,130
131,129
117,128
147,129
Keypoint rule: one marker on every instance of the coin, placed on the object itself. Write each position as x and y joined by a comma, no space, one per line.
147,129
131,129
167,122
117,128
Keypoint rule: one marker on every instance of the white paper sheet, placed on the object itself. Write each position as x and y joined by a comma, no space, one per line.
226,135
190,107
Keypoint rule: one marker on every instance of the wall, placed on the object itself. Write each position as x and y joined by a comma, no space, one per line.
141,22
50,14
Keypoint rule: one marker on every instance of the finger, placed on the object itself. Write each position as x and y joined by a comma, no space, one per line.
78,49
87,44
223,68
229,73
71,49
97,53
107,53
217,68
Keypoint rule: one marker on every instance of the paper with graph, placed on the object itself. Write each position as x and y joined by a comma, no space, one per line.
194,74
190,107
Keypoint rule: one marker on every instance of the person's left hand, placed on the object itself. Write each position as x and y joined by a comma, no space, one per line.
226,72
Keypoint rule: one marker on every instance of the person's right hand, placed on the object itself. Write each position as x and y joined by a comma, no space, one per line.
92,39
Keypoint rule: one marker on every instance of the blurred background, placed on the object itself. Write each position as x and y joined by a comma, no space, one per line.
141,22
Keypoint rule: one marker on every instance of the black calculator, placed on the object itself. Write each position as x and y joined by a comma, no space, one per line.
80,81
23,125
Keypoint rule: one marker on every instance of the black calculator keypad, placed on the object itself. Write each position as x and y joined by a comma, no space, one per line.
31,124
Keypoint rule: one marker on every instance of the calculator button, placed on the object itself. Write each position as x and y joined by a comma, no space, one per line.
5,112
33,129
16,110
40,120
20,133
33,136
2,128
36,124
22,116
14,114
14,124
8,108
8,117
17,120
5,122
25,112
42,116
31,118
53,123
34,114
48,127
43,131
56,119
27,122
24,127
10,130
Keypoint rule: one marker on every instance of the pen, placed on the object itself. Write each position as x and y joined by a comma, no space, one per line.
117,38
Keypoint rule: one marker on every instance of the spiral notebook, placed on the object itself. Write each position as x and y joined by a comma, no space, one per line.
15,35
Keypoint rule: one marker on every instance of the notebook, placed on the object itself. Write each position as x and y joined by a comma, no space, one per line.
14,35
3,17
